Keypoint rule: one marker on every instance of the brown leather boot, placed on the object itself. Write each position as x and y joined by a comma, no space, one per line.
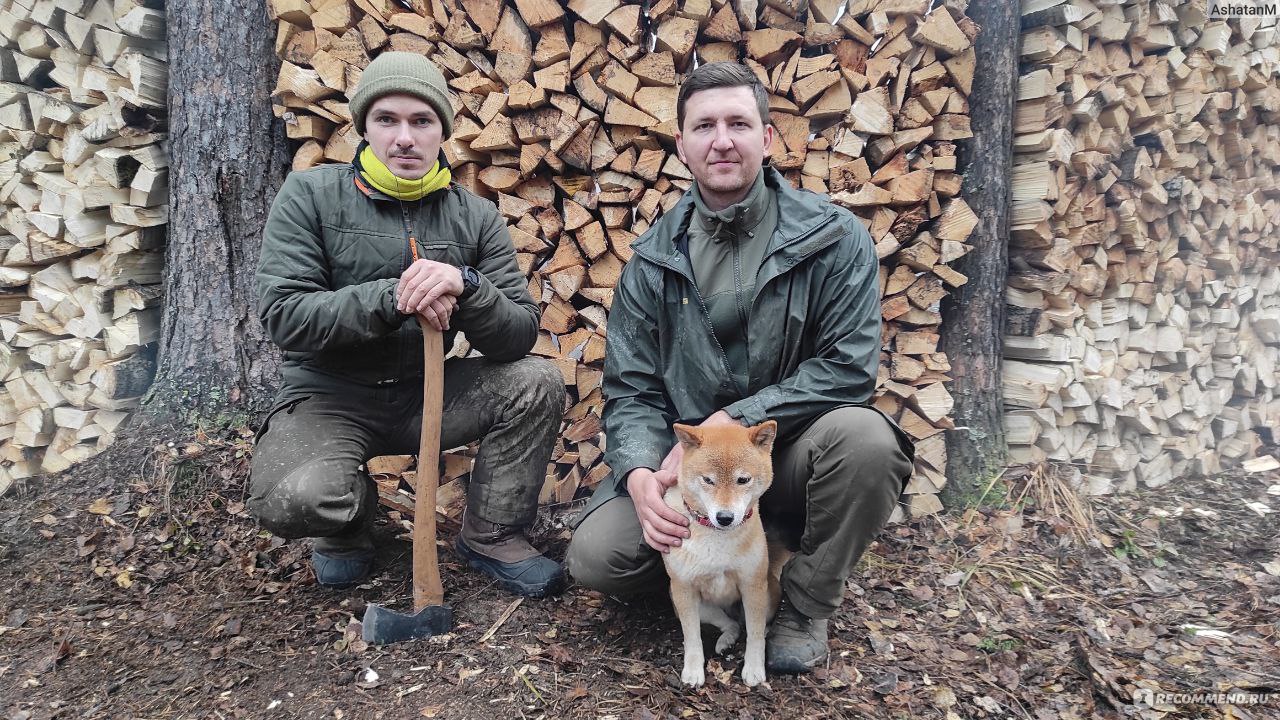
503,552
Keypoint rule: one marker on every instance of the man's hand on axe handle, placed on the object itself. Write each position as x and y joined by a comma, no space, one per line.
430,289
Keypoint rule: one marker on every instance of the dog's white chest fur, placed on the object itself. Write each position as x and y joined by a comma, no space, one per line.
713,560
710,564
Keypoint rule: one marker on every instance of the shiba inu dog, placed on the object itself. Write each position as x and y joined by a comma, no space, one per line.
725,559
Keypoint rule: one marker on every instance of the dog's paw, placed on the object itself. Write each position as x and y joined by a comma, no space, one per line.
727,640
753,673
693,676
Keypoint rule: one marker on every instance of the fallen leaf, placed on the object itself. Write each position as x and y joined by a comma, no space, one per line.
943,697
988,703
560,655
1157,583
880,644
886,684
101,506
124,581
60,653
17,618
1261,508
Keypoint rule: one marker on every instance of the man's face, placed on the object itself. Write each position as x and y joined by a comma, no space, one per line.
405,134
723,141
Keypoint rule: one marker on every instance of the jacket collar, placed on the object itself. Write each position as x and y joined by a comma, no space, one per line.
741,217
800,212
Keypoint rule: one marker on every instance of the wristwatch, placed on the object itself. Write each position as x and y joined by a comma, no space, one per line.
470,281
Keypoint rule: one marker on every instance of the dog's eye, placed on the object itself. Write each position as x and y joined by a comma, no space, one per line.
744,479
708,480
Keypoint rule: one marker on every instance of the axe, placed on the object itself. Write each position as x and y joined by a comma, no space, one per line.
430,615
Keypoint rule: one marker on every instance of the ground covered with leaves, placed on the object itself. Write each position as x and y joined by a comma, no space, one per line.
139,587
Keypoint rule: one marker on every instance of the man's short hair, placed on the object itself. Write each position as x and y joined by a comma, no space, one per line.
722,75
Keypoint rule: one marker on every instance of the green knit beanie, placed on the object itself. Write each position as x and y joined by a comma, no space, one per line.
407,73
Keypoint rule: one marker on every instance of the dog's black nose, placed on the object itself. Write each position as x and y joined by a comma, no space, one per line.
724,519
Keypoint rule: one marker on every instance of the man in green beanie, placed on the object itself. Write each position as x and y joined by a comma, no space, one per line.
350,254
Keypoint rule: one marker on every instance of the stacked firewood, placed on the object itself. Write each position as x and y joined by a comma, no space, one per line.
567,119
83,193
1144,290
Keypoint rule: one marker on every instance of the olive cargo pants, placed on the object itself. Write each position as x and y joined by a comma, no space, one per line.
307,481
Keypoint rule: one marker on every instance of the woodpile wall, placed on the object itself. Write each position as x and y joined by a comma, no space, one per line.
1144,289
567,122
83,193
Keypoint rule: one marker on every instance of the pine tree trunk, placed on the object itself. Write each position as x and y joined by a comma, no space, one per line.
228,159
973,315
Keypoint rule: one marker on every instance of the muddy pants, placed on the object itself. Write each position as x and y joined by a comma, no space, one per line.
307,480
834,488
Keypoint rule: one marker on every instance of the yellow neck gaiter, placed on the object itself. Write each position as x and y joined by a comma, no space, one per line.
380,177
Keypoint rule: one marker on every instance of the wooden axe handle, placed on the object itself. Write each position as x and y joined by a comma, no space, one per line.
427,589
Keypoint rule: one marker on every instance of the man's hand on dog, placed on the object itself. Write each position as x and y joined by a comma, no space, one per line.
430,289
662,526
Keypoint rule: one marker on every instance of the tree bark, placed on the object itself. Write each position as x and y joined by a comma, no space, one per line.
973,315
229,156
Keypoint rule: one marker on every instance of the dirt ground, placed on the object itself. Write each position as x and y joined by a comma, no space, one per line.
139,587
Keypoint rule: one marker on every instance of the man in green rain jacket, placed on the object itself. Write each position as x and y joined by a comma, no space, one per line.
748,301
351,253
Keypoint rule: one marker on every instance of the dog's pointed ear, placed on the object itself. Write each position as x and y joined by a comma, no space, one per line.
762,435
687,435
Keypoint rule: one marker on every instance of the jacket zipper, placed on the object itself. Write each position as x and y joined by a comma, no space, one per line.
410,253
711,330
744,314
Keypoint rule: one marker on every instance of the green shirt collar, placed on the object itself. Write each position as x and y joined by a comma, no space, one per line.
741,217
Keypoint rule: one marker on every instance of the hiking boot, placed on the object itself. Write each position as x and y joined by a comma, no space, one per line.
341,569
344,560
796,642
503,553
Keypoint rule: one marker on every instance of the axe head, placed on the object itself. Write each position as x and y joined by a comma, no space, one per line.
382,626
